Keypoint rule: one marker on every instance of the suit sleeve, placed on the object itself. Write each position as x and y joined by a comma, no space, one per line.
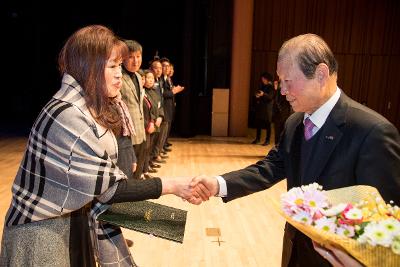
161,112
257,177
136,190
379,161
168,94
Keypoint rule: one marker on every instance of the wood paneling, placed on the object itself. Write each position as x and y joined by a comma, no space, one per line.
241,59
364,36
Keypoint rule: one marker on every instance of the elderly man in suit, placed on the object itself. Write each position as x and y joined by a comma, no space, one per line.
132,94
331,140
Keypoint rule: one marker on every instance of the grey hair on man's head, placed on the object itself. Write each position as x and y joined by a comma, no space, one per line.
133,46
308,51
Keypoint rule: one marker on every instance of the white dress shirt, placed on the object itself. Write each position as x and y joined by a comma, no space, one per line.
321,114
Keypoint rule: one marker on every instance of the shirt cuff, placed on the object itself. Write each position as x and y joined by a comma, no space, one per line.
223,190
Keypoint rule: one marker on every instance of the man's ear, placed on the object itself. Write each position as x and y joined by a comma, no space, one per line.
322,73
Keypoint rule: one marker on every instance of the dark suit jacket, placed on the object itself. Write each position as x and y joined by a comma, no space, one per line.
168,96
355,146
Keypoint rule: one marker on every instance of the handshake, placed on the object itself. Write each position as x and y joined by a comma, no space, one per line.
195,190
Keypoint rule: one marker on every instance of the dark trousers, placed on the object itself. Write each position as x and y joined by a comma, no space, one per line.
263,124
154,149
304,254
162,137
140,156
147,153
80,248
168,133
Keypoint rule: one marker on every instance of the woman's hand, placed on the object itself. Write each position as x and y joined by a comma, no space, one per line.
337,257
180,187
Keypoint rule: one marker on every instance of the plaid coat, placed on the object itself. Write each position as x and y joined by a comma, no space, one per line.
135,106
69,163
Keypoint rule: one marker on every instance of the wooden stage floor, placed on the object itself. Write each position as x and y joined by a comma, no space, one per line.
251,229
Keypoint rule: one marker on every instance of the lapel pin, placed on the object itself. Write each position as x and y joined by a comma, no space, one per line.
329,137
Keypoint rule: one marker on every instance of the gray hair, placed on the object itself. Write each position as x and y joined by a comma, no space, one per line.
308,51
133,46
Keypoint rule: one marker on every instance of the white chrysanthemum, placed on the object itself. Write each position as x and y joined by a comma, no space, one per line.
392,226
362,239
326,224
303,217
396,245
345,230
335,210
353,214
312,187
376,234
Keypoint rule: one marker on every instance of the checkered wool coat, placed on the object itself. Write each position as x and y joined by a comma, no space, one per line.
69,163
134,102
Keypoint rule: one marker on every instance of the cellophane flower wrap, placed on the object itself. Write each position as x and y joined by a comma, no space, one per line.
355,219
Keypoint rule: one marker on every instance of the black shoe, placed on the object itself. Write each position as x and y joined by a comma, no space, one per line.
151,170
255,141
266,143
167,149
168,144
164,152
153,165
164,156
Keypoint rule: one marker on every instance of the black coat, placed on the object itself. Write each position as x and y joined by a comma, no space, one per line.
263,104
169,101
355,146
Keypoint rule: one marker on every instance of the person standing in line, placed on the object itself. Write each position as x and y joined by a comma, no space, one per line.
156,154
150,113
132,94
158,111
169,99
171,73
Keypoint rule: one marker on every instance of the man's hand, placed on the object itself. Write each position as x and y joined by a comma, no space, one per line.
151,128
194,190
177,89
134,166
158,122
181,188
203,187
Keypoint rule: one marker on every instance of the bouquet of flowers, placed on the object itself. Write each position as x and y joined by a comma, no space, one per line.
355,219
